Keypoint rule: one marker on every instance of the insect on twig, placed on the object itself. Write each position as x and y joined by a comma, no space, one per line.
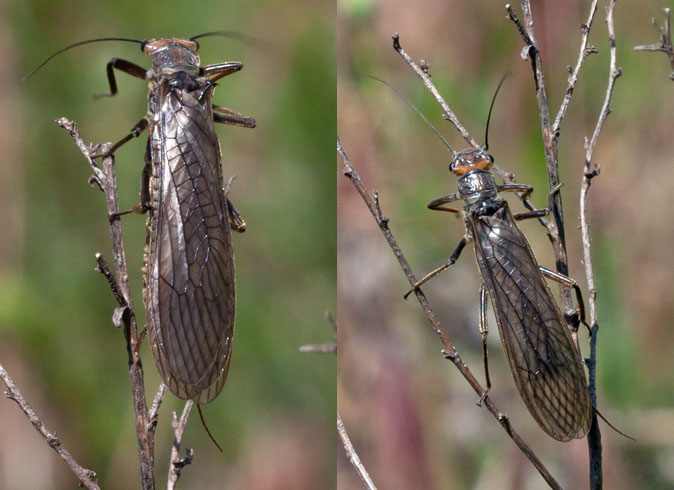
189,290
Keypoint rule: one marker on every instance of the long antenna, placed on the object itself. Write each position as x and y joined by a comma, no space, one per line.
493,99
239,36
408,102
88,41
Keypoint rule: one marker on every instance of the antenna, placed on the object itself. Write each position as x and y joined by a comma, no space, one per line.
493,99
88,41
239,36
408,102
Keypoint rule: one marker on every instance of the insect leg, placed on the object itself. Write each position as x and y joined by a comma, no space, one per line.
526,190
219,70
567,281
136,131
145,196
127,67
228,116
538,213
442,268
436,204
484,330
235,219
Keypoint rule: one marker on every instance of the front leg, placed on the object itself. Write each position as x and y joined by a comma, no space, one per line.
127,67
437,204
219,70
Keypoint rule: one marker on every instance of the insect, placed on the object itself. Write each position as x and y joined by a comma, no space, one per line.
543,358
189,289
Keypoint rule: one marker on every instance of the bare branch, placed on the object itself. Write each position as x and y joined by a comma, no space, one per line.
106,180
87,477
178,463
556,225
352,456
594,436
585,51
424,74
449,350
665,44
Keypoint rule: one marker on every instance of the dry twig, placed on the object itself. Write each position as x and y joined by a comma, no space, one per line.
106,180
665,44
352,456
178,463
87,477
594,436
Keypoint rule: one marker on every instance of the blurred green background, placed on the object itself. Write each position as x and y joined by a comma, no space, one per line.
410,414
275,416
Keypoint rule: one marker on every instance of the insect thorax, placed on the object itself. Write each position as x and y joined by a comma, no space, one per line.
475,185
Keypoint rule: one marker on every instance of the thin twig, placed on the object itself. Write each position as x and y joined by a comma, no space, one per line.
584,52
665,44
153,414
589,172
177,463
556,224
423,73
449,350
352,456
106,180
87,477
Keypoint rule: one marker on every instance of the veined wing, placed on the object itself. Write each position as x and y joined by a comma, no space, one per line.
543,359
192,270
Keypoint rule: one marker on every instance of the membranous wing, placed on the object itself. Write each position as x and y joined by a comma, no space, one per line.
544,361
191,276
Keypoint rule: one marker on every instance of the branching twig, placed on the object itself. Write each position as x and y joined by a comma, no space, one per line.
178,463
585,51
426,77
87,477
106,180
556,225
665,44
449,350
594,436
352,456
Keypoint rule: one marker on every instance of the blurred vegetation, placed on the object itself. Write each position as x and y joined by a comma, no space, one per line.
387,353
275,417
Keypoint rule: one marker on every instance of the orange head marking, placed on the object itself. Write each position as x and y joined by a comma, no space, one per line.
471,159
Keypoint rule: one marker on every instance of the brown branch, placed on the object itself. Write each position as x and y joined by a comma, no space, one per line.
449,350
594,436
425,76
352,456
106,180
556,225
584,52
87,477
178,463
665,44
